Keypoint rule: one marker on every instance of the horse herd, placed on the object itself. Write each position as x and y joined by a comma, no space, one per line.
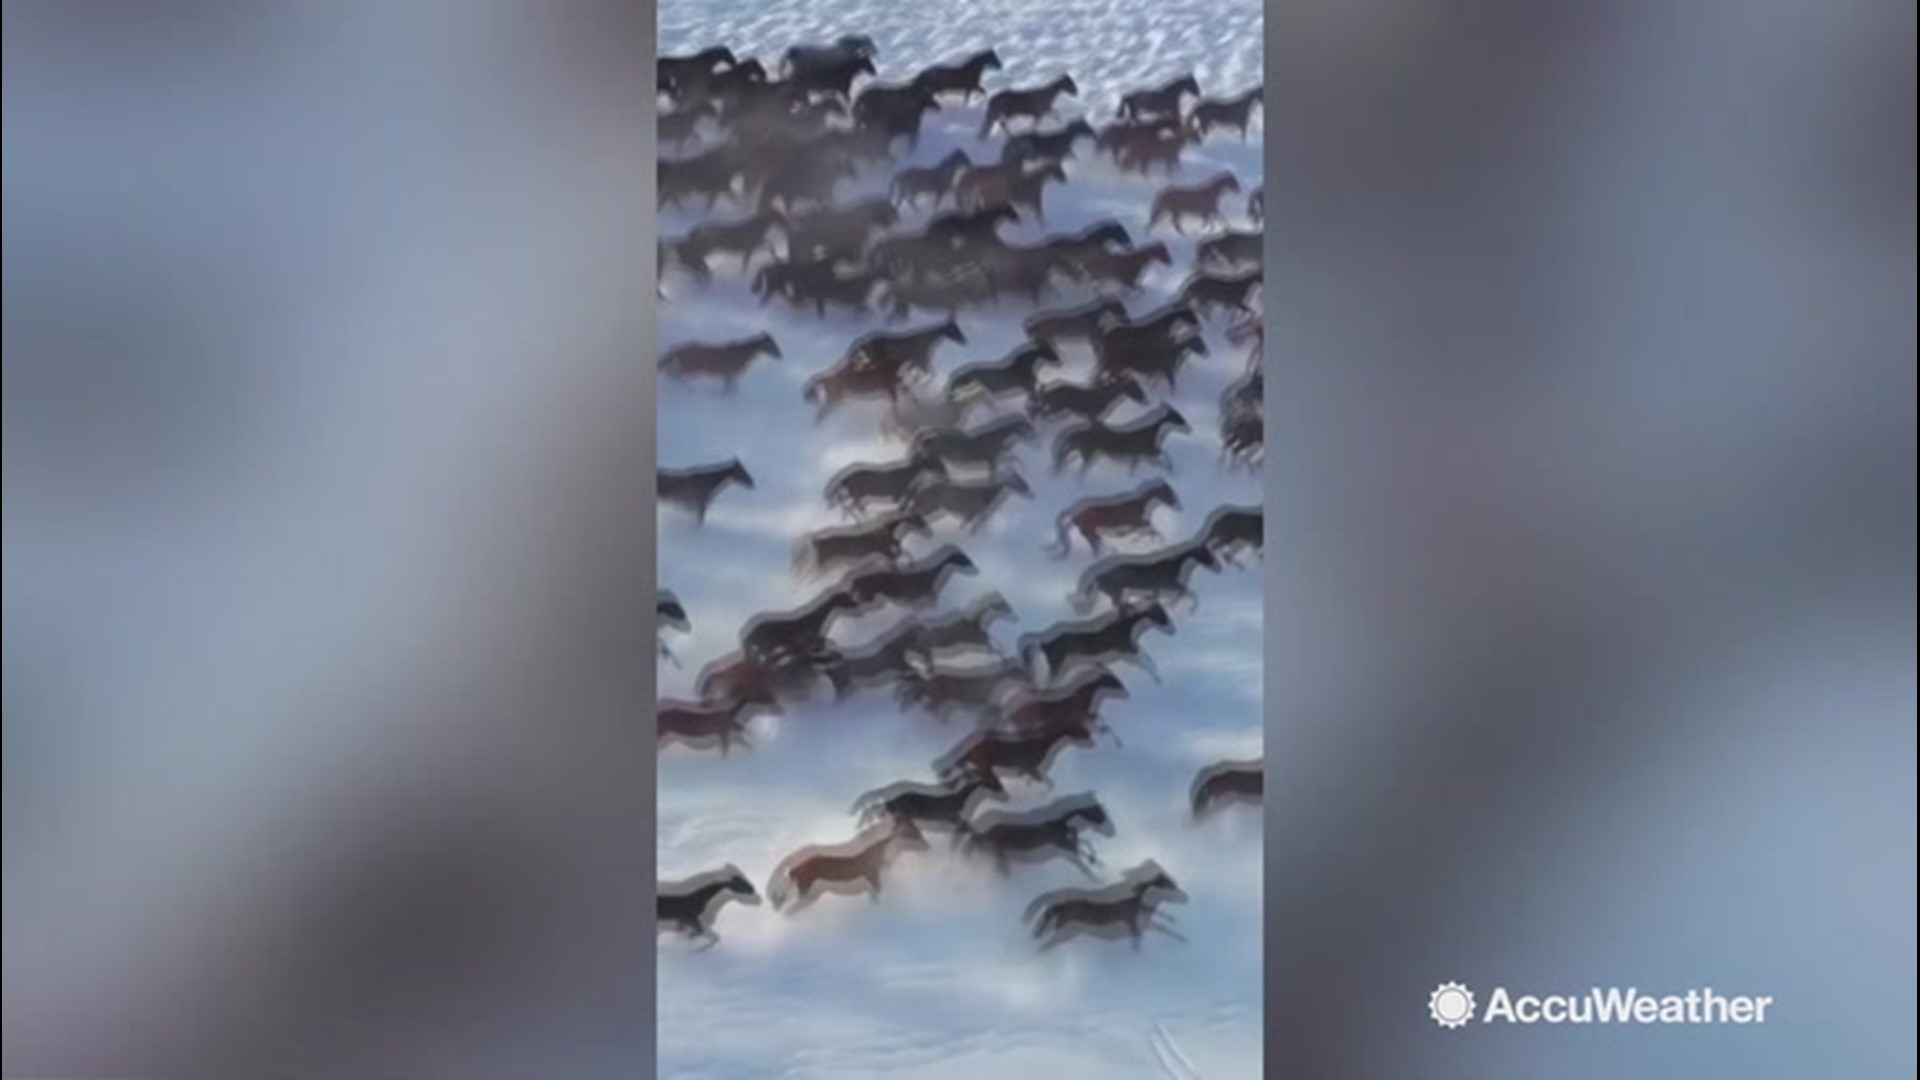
779,145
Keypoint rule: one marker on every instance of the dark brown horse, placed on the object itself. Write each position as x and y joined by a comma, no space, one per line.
1140,442
1233,528
1159,575
976,688
689,906
917,584
1178,203
947,804
706,724
1052,831
1076,704
725,360
825,551
1111,637
1016,373
1102,519
962,78
1024,754
855,488
1161,102
967,629
693,490
1126,908
1087,402
1032,104
970,502
1235,112
801,633
934,181
1227,783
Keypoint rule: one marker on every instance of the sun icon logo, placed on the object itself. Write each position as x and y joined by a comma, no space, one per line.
1450,1005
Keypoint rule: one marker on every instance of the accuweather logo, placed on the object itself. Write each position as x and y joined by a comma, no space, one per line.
1453,1006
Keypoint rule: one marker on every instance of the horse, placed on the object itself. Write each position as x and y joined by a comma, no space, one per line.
979,687
966,629
826,550
962,78
725,361
694,489
1161,101
722,723
1207,289
1053,146
1052,830
1161,575
858,863
1127,514
1016,373
1122,269
1231,528
911,185
689,906
894,655
1226,783
1073,324
971,503
1130,444
1087,402
855,487
1024,754
1235,112
1129,906
947,803
1075,704
915,585
1115,636
1177,203
769,638
981,448
1031,103
1230,250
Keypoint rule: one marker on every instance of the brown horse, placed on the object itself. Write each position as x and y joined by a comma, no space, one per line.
1127,514
854,866
1032,104
701,724
1178,203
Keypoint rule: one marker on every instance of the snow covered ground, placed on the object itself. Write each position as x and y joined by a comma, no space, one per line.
941,978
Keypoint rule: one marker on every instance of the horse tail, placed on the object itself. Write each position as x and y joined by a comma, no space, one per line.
1063,526
1030,647
777,885
814,390
803,555
1064,449
986,121
1034,909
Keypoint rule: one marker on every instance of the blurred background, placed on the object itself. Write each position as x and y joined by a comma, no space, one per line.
328,548
1592,658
